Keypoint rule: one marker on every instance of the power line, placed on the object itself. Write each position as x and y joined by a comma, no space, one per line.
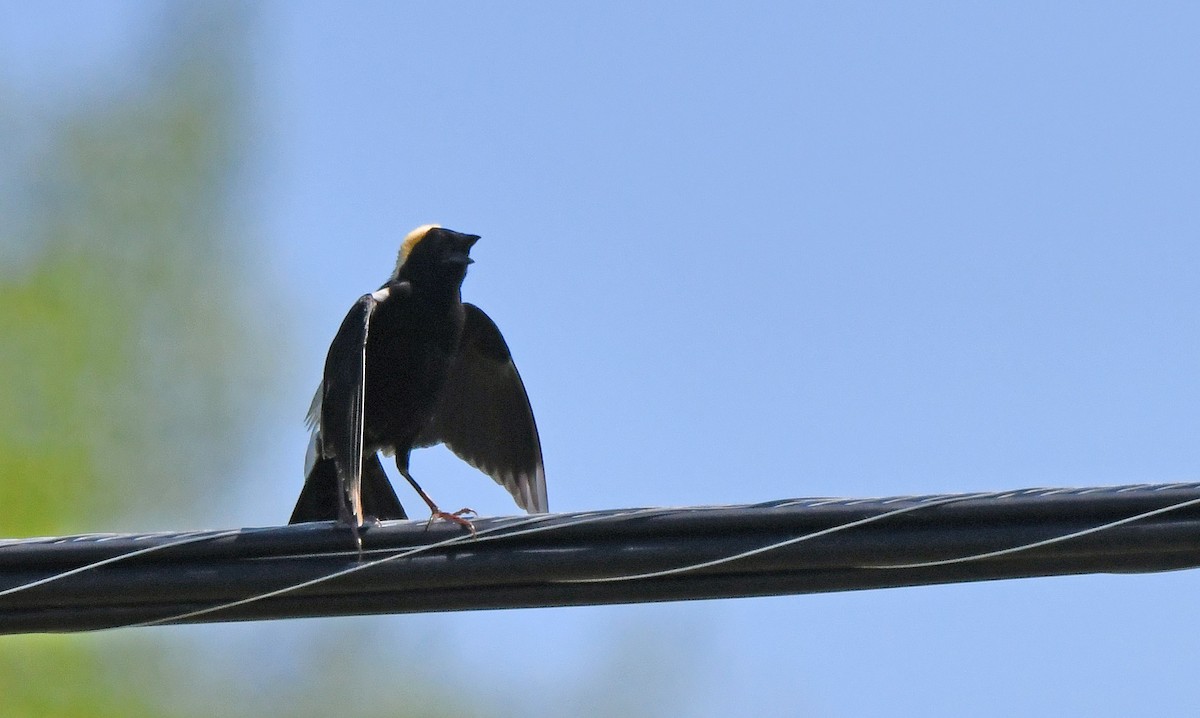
620,556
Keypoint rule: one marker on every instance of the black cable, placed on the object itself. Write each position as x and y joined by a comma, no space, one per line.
782,547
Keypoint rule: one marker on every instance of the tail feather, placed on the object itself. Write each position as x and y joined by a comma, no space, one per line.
319,498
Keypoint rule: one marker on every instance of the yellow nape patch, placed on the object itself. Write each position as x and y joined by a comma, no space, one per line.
411,240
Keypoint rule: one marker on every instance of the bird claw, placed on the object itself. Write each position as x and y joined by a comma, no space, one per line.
456,517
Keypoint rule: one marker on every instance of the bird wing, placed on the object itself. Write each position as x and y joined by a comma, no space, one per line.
483,414
342,398
313,422
313,419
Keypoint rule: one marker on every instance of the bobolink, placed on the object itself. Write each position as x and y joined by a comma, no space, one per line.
413,365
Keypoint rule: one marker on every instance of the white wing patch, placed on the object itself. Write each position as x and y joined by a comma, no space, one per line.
313,419
310,456
313,422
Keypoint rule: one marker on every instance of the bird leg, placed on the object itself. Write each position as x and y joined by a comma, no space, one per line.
435,512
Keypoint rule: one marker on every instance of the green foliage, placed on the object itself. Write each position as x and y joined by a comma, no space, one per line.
125,355
59,676
126,359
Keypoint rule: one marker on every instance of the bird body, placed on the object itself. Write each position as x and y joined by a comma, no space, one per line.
421,339
412,365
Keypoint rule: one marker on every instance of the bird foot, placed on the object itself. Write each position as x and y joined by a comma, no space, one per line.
456,517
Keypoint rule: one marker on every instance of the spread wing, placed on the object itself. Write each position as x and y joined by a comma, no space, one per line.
341,402
484,416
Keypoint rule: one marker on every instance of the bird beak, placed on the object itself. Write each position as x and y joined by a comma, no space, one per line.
458,258
466,241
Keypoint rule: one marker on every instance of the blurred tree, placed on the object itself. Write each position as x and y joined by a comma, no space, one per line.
126,352
126,359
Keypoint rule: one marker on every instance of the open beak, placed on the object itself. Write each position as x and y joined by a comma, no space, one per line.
460,255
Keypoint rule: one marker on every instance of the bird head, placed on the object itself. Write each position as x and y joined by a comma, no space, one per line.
434,251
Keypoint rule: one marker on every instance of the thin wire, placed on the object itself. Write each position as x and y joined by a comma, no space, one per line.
479,536
121,557
1044,542
861,522
360,407
538,524
777,545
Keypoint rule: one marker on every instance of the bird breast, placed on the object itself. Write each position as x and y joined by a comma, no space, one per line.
409,352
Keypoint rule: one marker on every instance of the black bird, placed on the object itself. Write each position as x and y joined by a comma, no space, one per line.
413,365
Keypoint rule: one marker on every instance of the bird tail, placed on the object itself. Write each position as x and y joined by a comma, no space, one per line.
319,498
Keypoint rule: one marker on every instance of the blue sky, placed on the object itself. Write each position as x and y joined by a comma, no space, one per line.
752,251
